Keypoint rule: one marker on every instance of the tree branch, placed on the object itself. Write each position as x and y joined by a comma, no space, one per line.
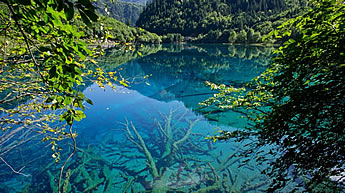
25,39
17,172
69,157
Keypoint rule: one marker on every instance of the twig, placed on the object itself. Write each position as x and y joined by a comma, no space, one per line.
26,40
213,188
216,177
17,172
69,157
128,185
186,136
162,130
5,39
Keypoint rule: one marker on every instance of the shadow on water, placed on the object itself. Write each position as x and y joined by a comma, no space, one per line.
150,137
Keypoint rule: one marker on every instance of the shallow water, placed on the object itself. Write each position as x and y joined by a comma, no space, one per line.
150,136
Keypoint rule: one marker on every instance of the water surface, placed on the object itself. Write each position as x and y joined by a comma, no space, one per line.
150,136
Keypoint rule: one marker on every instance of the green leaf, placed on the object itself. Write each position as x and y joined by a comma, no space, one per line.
89,101
85,19
91,15
52,72
60,5
67,100
50,99
69,10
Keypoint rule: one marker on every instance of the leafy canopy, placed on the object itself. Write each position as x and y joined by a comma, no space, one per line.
298,104
42,62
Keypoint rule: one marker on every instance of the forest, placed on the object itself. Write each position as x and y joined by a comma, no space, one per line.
120,32
222,21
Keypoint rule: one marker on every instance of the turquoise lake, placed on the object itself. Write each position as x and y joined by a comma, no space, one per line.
150,136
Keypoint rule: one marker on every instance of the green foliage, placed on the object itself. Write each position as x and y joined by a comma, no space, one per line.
213,18
297,106
172,38
242,37
230,36
253,36
120,32
42,63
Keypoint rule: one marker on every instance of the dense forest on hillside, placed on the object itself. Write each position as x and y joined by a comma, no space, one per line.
118,31
125,11
219,20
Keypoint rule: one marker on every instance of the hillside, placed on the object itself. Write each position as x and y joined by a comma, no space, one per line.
140,2
125,11
119,31
218,20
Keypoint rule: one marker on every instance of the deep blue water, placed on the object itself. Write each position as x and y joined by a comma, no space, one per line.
156,119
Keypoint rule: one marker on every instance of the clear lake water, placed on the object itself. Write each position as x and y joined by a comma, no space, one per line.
150,136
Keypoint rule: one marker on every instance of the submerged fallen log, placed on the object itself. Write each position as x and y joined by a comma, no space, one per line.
142,146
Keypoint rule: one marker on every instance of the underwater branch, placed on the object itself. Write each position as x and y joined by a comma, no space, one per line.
17,172
142,146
